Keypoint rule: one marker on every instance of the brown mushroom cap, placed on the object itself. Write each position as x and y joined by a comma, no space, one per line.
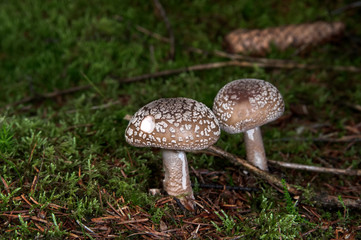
244,104
173,123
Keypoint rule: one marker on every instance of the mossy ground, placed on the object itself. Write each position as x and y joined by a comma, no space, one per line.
66,170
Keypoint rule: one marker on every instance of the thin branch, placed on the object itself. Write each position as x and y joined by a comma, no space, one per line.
84,226
185,69
144,30
216,186
322,200
234,56
346,7
160,8
148,33
282,63
328,201
344,139
48,95
152,34
65,91
248,62
5,185
207,66
273,180
103,106
350,172
180,70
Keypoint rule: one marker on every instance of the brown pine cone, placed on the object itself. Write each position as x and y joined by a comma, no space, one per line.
304,36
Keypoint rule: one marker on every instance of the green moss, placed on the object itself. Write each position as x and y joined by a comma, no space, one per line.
70,150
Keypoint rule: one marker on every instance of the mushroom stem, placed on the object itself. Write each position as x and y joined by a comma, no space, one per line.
176,181
255,149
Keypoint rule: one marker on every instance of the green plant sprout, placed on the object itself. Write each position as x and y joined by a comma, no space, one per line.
228,223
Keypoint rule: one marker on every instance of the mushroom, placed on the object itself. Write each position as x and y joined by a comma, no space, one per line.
243,106
175,125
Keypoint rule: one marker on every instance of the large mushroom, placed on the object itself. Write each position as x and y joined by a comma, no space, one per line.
175,125
243,106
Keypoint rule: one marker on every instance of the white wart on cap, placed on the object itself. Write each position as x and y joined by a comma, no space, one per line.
173,123
247,103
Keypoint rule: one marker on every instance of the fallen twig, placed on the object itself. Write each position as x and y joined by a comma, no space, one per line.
84,226
236,188
350,172
103,106
144,30
256,171
152,34
134,221
322,200
5,185
346,7
48,95
286,64
131,79
186,69
162,12
328,201
234,56
262,62
207,66
344,139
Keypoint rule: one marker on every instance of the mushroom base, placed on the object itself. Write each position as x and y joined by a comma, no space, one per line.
255,149
176,177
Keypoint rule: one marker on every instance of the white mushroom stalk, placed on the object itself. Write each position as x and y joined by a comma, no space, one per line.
243,106
175,125
255,149
176,176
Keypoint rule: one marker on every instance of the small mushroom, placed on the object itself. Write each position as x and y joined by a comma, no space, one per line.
243,106
175,125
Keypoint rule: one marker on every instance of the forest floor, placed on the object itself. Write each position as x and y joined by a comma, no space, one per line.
72,72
